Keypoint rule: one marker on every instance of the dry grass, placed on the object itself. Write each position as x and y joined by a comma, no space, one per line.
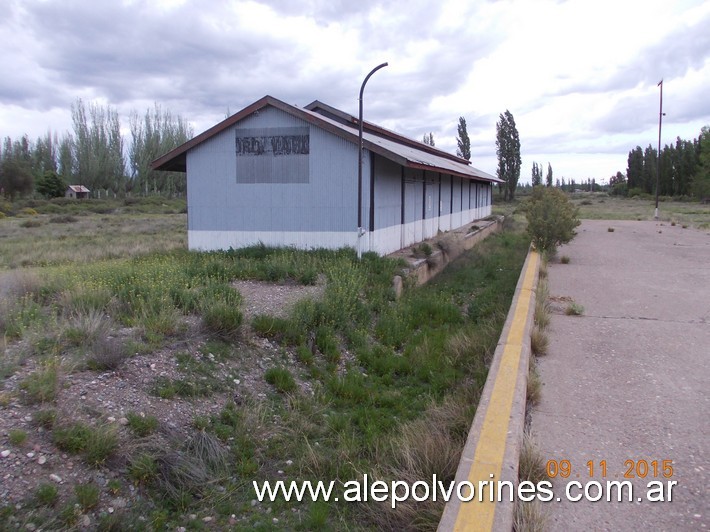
542,306
531,465
539,341
423,447
690,213
530,516
534,389
93,237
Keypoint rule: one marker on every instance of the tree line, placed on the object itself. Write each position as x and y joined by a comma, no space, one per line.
684,169
95,155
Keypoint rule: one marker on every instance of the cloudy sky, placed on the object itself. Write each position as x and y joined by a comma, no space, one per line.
579,76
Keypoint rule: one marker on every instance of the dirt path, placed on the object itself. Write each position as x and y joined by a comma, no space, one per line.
630,378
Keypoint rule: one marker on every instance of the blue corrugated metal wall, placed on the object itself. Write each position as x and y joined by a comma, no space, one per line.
328,202
409,205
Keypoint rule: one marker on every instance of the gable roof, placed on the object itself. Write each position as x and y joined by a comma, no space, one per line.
78,188
391,145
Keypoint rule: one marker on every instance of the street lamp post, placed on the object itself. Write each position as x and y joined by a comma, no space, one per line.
360,231
658,158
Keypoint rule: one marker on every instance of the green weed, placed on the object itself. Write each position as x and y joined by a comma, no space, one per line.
87,495
281,379
41,386
46,494
143,468
17,437
574,309
141,425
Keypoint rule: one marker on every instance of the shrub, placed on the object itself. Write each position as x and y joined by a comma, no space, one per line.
17,437
46,494
63,219
222,319
564,259
281,379
141,425
539,341
41,386
143,468
45,418
71,438
87,495
551,218
106,354
31,223
574,309
96,444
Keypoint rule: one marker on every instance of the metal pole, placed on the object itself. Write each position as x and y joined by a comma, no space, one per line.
359,163
658,159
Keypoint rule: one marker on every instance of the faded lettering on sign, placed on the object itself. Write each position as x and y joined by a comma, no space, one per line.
273,142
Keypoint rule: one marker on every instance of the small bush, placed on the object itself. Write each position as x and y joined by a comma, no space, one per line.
87,495
102,443
281,379
71,438
574,309
551,218
30,223
17,437
45,418
327,344
141,425
539,342
304,354
63,219
564,259
106,354
143,468
222,319
46,494
41,386
280,329
28,211
97,444
610,230
534,389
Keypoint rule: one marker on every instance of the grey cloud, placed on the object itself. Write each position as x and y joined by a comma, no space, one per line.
679,51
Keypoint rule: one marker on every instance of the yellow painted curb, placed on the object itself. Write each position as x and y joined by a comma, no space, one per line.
491,438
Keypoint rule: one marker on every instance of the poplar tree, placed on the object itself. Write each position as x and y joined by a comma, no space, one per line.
428,139
98,147
536,178
508,152
463,141
153,135
549,175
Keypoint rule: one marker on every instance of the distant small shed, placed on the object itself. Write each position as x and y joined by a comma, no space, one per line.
77,192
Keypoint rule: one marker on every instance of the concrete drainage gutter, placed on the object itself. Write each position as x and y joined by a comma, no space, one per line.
493,446
445,248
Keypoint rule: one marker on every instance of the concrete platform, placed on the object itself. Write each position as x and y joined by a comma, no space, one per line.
630,378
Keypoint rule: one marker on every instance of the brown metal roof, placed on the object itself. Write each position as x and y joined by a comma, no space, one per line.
389,144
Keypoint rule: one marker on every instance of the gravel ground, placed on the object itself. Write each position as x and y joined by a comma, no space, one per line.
106,398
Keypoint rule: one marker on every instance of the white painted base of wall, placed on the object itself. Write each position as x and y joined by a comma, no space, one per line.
381,241
213,240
